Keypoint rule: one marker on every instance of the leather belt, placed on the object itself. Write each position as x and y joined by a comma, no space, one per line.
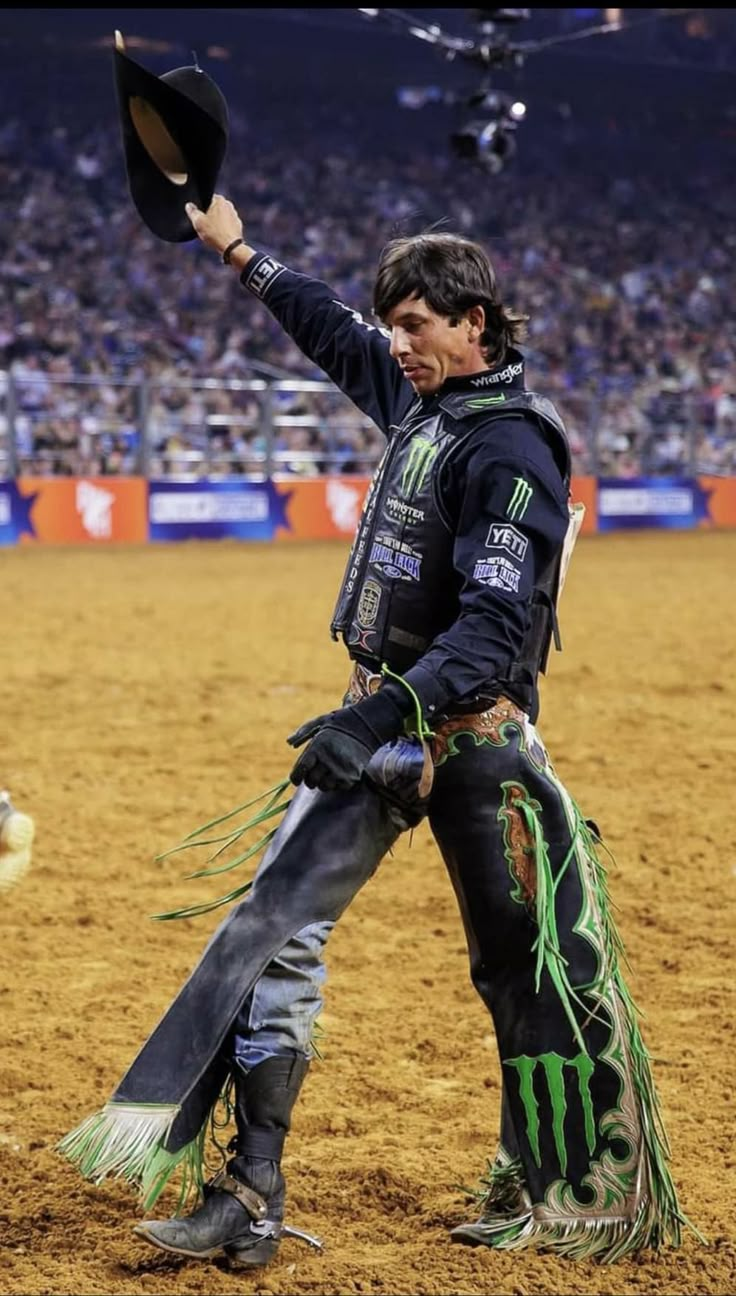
484,723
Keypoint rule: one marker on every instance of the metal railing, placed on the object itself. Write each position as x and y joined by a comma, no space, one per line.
267,425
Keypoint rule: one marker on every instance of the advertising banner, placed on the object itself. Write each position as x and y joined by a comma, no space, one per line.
217,510
325,508
286,508
651,502
7,532
100,510
720,493
15,513
70,510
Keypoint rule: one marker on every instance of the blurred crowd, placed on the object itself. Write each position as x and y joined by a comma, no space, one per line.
119,352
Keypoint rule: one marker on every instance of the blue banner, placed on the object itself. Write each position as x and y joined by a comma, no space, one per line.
215,510
651,502
15,513
7,535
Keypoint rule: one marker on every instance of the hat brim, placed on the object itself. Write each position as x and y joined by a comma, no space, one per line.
200,138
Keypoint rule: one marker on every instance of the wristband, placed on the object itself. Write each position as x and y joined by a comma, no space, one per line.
230,249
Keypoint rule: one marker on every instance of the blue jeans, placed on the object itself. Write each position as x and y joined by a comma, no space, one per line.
279,1013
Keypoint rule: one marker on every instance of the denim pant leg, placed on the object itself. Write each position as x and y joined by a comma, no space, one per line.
279,1013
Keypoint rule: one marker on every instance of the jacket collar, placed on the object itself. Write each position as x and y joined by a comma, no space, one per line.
508,373
500,377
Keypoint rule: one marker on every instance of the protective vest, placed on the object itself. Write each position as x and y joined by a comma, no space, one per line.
400,589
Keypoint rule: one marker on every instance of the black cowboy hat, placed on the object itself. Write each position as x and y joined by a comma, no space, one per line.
175,131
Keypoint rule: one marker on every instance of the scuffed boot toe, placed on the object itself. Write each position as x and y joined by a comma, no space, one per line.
173,1236
221,1222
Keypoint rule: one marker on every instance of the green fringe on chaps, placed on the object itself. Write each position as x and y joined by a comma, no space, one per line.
127,1142
633,1199
157,1120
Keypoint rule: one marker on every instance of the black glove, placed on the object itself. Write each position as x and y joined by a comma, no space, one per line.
343,741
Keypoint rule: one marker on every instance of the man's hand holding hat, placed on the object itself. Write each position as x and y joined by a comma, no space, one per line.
220,228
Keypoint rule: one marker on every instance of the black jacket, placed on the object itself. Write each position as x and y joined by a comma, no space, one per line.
454,567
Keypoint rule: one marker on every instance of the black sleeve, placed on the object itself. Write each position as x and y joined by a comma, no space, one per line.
511,520
355,355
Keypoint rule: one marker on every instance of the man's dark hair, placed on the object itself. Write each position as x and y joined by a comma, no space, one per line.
452,274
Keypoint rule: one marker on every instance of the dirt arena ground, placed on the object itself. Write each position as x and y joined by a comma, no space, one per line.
143,690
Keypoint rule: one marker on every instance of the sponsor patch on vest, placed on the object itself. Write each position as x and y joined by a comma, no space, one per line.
422,454
400,511
503,536
499,573
395,559
368,603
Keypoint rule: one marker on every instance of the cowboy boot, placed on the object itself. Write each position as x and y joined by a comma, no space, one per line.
243,1210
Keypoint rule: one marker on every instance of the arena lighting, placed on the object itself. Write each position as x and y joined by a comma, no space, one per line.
487,137
490,142
487,140
487,143
496,103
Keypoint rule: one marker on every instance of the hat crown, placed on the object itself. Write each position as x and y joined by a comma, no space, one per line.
201,89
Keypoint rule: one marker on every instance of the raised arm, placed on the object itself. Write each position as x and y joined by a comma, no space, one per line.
353,354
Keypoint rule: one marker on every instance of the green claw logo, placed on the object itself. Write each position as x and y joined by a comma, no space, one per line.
422,455
519,502
552,1065
482,402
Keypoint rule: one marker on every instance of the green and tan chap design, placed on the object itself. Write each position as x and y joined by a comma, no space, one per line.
582,1142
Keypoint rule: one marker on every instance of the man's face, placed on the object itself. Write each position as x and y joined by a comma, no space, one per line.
429,348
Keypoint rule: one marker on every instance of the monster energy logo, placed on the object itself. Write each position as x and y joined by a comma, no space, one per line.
421,457
480,402
519,502
553,1064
